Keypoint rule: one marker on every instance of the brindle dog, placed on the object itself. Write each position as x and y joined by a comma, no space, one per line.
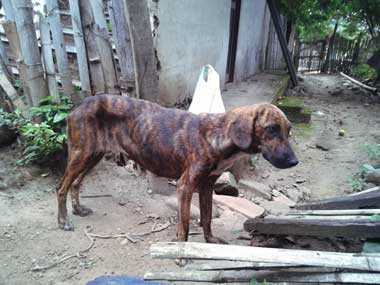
195,149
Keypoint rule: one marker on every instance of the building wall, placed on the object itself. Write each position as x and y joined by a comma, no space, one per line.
190,34
252,38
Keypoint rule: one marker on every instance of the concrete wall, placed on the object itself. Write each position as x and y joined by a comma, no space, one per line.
189,35
252,38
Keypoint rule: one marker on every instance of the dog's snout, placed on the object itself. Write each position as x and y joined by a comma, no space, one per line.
293,162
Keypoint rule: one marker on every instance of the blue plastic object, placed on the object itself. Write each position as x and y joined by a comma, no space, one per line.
121,280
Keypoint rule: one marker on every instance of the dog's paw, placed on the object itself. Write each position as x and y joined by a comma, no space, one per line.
82,211
67,226
215,240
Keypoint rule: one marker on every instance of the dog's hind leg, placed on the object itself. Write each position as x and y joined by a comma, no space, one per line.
205,203
76,164
79,209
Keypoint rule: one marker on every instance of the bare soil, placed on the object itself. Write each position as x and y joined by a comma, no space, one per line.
29,235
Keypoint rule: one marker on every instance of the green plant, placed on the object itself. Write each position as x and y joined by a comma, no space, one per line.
363,72
13,120
43,140
373,151
375,217
255,282
357,183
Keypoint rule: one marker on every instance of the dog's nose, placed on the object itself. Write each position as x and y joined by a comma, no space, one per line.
293,162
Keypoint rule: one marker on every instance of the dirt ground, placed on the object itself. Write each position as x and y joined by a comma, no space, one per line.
29,235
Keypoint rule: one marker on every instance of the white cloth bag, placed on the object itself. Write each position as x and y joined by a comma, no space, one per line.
207,97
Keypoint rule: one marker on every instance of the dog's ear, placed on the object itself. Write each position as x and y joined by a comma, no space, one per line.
241,131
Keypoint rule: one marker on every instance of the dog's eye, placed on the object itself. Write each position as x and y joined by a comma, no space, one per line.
273,129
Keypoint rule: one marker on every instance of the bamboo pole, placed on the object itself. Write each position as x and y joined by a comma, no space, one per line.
60,51
23,11
47,55
366,87
81,48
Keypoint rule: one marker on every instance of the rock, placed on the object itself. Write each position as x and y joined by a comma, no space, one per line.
7,135
373,177
240,205
323,142
256,188
160,185
226,185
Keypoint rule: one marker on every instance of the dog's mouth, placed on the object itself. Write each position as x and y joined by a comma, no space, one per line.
283,161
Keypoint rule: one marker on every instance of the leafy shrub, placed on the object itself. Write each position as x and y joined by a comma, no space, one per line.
13,120
357,184
373,152
363,72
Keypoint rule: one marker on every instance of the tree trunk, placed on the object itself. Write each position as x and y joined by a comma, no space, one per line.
145,65
121,36
104,47
47,55
23,10
60,51
327,66
291,39
81,48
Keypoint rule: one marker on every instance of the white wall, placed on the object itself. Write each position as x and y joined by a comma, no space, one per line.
252,38
190,34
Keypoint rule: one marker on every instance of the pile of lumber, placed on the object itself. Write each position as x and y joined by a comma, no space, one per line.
230,263
335,217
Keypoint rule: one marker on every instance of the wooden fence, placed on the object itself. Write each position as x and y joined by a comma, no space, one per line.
74,48
312,56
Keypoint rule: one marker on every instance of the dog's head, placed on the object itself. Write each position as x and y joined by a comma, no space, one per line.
263,128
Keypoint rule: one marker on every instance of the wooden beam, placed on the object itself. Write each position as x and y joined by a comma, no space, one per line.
81,52
270,276
366,87
145,66
122,39
103,44
362,212
368,199
315,227
367,262
47,56
229,265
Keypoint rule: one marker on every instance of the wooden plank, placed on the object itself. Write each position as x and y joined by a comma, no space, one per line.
145,67
23,10
373,189
339,218
234,265
241,205
321,228
362,212
97,80
80,48
122,39
366,87
60,51
11,92
269,276
367,262
369,199
104,47
47,55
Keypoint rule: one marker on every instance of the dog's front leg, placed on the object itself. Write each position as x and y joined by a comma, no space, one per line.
184,193
205,203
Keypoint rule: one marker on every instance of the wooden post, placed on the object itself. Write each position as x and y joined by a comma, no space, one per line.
14,42
98,84
23,10
104,47
60,51
47,56
146,77
122,39
81,48
327,66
